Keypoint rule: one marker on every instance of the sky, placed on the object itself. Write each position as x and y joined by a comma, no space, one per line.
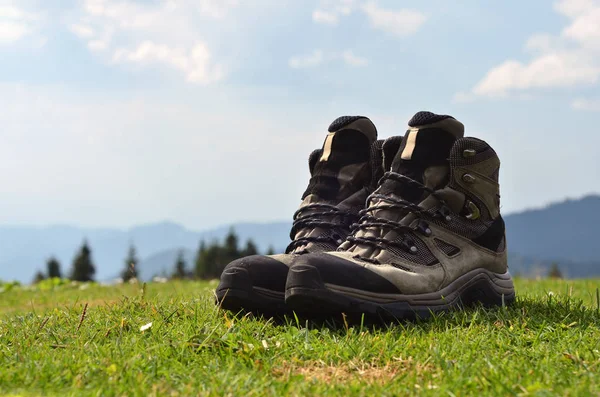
116,113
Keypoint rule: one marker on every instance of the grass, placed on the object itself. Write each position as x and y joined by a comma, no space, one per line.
548,343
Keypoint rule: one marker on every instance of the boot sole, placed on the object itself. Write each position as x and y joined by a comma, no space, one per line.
306,292
236,293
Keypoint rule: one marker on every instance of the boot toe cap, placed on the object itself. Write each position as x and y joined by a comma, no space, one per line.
334,270
255,271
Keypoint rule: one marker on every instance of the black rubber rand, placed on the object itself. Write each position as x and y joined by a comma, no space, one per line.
306,292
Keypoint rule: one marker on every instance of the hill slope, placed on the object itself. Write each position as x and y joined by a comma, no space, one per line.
564,231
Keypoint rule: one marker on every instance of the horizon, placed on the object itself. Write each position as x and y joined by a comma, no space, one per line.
259,222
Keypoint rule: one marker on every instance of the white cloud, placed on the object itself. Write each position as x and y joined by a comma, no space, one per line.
397,22
307,61
400,22
194,63
11,12
216,8
16,23
128,15
591,105
97,45
318,57
164,32
575,8
329,18
585,28
330,11
548,71
351,59
569,59
12,31
82,31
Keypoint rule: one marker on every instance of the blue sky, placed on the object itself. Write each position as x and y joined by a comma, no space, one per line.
121,112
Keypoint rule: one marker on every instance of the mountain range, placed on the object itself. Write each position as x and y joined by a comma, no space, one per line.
24,250
565,233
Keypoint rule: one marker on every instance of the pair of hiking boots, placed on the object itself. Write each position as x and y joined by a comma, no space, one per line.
429,238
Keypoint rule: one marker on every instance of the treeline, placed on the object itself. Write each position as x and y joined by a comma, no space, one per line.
208,264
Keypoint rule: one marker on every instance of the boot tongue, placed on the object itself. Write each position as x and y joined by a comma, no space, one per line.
427,143
422,156
346,149
339,171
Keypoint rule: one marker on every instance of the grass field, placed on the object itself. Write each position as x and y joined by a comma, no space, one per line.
548,343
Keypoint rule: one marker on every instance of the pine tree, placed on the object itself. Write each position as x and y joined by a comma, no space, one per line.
216,258
231,246
250,249
180,271
211,259
39,276
83,267
131,265
200,268
53,266
271,250
555,271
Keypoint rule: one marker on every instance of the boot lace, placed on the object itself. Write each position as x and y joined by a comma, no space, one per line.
405,242
323,216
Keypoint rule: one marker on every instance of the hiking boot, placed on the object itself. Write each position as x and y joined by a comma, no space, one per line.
343,173
431,237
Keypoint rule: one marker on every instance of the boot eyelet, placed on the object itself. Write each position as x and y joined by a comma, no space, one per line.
424,228
474,212
337,238
414,249
468,178
444,212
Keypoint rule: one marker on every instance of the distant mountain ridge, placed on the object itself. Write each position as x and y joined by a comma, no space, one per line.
565,232
24,250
